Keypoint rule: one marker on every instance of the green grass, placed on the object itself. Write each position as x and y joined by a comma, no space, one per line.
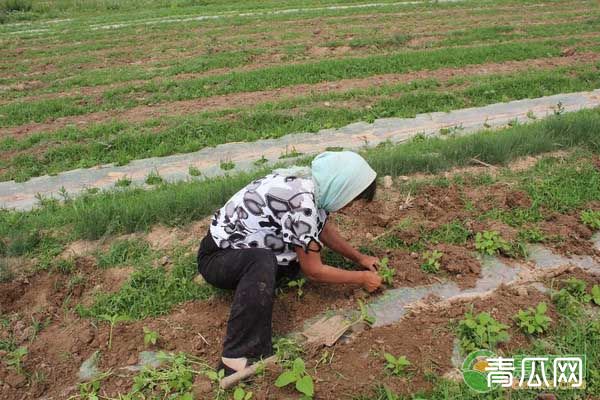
124,252
151,291
92,216
74,148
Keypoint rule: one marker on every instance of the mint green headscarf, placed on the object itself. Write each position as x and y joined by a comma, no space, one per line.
339,177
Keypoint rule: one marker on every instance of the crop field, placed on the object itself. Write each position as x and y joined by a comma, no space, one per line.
494,231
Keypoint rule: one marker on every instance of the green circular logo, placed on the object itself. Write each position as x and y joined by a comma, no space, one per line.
474,373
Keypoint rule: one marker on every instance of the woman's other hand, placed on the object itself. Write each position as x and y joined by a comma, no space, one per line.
371,281
369,262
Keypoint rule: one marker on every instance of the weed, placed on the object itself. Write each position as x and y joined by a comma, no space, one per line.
559,109
396,365
577,288
123,182
124,252
591,219
566,303
286,350
533,321
454,232
150,337
227,165
431,261
491,243
89,390
481,331
532,235
297,374
290,153
154,178
364,314
194,171
261,161
531,115
385,272
298,284
14,359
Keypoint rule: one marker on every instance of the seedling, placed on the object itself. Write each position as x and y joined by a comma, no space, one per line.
297,374
559,109
386,273
112,320
240,394
566,303
481,332
298,284
490,243
364,314
261,161
533,321
396,365
123,182
286,350
14,359
150,337
591,219
531,115
431,261
290,153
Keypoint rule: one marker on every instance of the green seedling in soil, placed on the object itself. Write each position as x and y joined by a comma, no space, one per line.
591,219
385,272
112,320
240,394
481,331
532,235
150,337
533,321
396,365
227,165
261,161
193,171
154,178
14,359
298,284
89,390
364,314
297,374
577,288
491,243
431,261
123,252
596,294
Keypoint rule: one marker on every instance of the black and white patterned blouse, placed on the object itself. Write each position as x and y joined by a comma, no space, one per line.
276,212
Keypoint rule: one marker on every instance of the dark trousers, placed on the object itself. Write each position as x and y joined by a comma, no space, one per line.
253,274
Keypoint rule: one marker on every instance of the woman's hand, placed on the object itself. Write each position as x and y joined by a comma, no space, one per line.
371,281
369,262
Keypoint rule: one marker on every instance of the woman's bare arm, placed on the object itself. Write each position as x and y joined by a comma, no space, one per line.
315,270
332,239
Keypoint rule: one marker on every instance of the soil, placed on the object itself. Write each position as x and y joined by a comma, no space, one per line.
246,99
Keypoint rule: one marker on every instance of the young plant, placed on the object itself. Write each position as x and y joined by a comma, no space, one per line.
227,165
533,321
566,304
240,394
14,359
591,219
431,261
150,337
481,331
491,243
386,273
396,365
298,284
112,320
297,374
364,314
286,350
123,182
154,178
194,171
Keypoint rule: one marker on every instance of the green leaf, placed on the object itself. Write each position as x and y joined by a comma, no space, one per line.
541,308
305,385
286,378
389,358
298,367
239,394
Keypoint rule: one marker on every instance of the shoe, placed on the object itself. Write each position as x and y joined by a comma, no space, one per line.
228,371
